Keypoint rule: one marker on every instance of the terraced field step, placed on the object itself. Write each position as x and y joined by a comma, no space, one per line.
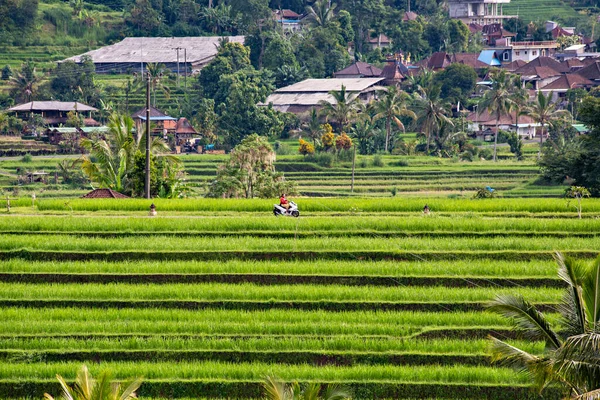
281,279
175,389
310,233
416,255
329,306
343,358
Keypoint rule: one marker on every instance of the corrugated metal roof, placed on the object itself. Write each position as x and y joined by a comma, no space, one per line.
52,106
301,99
158,50
327,85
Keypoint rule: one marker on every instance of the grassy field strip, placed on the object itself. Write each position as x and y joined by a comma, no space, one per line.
264,344
486,268
251,243
320,224
217,291
257,371
31,321
316,204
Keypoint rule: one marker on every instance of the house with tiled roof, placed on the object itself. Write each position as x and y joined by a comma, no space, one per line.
591,72
381,41
55,113
162,122
486,121
409,16
560,86
359,69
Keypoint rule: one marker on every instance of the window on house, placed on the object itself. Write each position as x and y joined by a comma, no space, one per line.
534,52
525,51
505,56
543,53
517,53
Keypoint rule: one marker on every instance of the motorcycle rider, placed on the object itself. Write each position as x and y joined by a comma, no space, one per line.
283,202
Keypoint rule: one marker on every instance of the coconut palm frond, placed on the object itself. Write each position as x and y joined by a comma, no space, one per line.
526,317
337,392
572,308
130,388
275,389
590,288
311,391
591,395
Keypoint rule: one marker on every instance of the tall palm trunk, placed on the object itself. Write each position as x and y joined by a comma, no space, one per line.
388,128
496,137
541,141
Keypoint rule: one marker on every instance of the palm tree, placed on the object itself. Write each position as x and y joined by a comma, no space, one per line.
157,72
112,157
343,109
276,390
24,82
498,100
312,127
571,357
391,107
103,388
321,12
431,112
363,132
544,112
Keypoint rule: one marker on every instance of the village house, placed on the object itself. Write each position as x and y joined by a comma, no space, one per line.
55,113
288,20
184,55
483,122
359,69
482,12
163,124
303,96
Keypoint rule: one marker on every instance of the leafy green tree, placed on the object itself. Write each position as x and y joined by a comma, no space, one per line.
544,112
250,172
436,34
103,388
221,19
391,107
237,101
144,19
457,82
7,72
277,390
230,58
408,38
76,82
286,75
570,355
516,144
498,100
458,36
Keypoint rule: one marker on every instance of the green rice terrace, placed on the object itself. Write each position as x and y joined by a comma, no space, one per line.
212,295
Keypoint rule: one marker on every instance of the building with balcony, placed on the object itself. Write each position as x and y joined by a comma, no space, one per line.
482,12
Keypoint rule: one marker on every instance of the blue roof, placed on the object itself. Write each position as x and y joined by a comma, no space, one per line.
489,57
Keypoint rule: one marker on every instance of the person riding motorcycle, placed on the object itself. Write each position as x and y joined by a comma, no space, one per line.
283,202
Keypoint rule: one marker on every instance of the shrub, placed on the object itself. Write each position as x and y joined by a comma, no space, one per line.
485,193
27,158
306,148
378,161
282,149
485,153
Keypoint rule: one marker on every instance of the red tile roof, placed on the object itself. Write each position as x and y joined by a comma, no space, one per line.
487,119
515,65
104,194
569,81
409,16
360,68
391,72
380,39
591,72
184,126
470,59
529,68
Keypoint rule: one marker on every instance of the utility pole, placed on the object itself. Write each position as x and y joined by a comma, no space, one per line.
353,167
147,183
185,66
177,48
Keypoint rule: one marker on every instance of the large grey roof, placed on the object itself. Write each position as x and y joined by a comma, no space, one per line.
327,85
52,106
158,50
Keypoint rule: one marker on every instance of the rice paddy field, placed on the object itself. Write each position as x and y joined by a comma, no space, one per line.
211,296
375,176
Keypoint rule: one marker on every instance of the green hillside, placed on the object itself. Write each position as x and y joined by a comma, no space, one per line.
536,10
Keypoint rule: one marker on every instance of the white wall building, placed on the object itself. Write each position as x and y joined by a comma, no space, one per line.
482,12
